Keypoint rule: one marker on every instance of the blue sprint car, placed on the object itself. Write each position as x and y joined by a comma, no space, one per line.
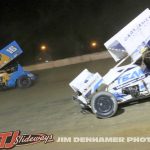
13,74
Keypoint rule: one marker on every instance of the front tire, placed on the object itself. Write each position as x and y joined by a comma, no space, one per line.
104,105
24,82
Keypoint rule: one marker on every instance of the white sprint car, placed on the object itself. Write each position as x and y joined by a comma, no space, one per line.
122,83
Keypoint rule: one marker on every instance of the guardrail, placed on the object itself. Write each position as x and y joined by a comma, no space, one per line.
69,61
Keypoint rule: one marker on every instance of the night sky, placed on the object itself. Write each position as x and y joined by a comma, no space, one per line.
65,27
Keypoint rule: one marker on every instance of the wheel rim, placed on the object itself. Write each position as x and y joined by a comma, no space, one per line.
103,104
24,81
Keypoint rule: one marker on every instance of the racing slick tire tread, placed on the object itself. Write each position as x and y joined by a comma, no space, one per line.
104,105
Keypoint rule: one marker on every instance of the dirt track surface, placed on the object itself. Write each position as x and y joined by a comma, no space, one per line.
47,107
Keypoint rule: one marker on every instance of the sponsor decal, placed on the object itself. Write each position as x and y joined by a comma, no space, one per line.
9,140
137,28
129,76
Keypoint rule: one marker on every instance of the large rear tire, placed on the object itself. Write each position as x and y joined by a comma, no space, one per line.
24,82
104,105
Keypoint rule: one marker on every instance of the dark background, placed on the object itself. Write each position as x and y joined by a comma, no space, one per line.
65,27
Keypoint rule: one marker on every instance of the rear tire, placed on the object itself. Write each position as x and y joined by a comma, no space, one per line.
104,105
24,82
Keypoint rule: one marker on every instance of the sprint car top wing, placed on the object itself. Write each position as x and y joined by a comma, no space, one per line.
130,40
9,53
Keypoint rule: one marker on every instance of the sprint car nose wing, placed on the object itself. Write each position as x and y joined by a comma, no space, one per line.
9,53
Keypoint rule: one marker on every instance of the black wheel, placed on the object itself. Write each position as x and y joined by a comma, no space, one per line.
24,82
104,105
146,59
